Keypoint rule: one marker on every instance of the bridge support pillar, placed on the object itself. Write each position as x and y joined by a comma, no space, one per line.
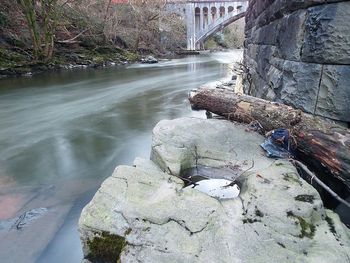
201,20
210,18
191,26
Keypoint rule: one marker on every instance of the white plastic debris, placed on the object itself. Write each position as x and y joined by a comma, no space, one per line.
218,188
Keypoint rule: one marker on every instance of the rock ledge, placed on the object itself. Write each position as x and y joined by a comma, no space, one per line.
144,214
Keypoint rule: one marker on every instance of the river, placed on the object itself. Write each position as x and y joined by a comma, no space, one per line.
63,133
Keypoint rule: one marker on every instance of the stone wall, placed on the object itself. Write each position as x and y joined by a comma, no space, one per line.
298,52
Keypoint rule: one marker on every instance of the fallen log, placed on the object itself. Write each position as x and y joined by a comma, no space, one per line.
318,141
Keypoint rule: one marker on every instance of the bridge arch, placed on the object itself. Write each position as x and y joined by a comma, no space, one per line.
217,27
197,13
213,13
205,17
212,17
222,11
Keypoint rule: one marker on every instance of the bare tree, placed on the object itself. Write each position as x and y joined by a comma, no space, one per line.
152,17
136,24
41,19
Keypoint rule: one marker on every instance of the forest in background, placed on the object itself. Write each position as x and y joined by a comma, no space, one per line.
36,35
230,37
44,33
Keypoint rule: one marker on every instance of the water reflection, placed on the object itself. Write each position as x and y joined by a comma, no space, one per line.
62,133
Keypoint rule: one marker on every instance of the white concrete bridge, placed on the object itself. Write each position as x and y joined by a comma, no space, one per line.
206,17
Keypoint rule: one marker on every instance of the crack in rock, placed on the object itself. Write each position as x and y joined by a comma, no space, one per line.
181,223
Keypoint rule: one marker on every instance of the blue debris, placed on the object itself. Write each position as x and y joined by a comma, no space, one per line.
278,144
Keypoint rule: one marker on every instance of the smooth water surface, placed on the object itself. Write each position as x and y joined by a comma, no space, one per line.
62,134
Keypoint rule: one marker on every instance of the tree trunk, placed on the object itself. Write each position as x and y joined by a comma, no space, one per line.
42,27
49,26
137,40
106,14
28,8
318,141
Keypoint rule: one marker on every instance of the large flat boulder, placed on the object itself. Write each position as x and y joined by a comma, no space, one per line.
143,213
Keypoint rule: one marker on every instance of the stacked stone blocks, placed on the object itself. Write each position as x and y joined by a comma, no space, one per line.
298,53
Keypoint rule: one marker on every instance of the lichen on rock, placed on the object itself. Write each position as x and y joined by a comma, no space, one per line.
148,216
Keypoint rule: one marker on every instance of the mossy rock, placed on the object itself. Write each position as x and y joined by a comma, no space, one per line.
292,177
15,41
88,43
307,229
98,59
330,223
305,198
131,56
106,248
9,58
105,50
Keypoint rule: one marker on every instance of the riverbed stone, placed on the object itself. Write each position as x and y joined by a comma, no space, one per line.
151,217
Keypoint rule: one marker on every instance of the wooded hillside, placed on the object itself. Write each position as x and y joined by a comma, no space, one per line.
83,31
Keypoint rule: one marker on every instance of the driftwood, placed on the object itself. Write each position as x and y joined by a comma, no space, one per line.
73,39
318,141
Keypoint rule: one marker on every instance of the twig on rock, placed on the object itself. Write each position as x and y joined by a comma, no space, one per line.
234,180
319,182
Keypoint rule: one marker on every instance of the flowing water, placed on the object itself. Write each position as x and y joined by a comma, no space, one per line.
62,134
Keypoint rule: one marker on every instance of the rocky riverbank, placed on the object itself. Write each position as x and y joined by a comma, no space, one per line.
144,213
18,62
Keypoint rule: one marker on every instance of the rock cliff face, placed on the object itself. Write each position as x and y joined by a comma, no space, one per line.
298,52
145,214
